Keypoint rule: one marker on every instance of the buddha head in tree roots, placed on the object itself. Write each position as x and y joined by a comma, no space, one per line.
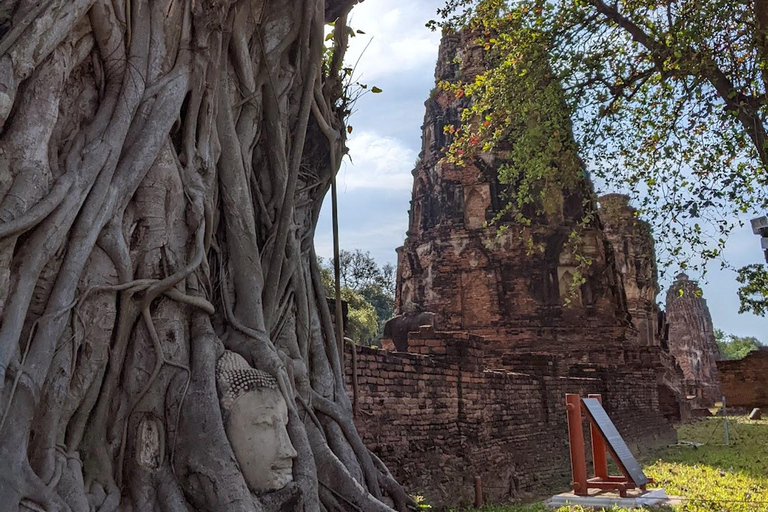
255,418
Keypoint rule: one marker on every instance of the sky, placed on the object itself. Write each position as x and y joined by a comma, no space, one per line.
397,53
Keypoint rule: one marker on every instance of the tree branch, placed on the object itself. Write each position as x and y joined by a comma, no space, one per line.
744,106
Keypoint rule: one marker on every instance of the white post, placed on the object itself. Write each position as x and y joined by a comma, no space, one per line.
725,420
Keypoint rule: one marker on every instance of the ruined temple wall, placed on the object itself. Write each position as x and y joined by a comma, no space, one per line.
438,418
635,256
524,348
481,393
745,381
480,280
471,276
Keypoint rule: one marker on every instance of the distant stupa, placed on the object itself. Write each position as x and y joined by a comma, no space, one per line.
692,339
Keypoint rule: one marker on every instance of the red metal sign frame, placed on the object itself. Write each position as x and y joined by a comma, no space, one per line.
602,480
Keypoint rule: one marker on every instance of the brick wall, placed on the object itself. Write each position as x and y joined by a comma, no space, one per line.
745,381
438,418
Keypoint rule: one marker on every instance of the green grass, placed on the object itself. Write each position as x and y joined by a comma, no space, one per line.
714,477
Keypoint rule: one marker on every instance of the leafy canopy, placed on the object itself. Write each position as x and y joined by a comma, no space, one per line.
668,100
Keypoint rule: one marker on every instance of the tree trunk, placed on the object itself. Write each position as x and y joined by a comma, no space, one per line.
162,168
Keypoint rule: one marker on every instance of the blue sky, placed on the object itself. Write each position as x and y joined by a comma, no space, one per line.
375,182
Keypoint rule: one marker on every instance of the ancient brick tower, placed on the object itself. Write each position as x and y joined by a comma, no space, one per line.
692,339
455,266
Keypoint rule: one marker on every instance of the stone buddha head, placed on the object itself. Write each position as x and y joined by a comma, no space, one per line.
255,419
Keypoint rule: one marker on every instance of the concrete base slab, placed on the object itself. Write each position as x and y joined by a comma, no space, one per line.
635,499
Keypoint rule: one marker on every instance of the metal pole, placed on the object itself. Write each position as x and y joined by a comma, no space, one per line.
337,274
478,492
725,422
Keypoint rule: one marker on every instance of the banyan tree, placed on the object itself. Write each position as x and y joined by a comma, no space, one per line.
165,340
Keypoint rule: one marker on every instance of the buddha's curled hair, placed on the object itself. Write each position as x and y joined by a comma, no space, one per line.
236,377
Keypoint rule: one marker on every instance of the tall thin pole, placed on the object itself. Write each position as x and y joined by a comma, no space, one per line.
337,274
725,420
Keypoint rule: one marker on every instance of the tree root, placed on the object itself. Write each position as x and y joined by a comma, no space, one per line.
209,477
159,362
333,475
333,411
208,125
37,213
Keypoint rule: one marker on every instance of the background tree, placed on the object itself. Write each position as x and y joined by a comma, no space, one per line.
735,347
669,101
162,168
369,291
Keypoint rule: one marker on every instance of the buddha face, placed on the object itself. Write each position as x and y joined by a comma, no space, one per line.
256,429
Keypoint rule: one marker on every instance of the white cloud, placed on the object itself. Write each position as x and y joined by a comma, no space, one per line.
377,161
399,41
374,236
372,220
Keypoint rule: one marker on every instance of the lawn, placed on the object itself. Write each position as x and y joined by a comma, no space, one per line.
714,477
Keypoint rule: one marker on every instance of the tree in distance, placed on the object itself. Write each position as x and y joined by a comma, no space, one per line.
369,290
735,347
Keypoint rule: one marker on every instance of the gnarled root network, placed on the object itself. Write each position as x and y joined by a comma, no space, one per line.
162,168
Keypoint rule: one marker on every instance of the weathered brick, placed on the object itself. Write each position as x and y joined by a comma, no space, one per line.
692,340
745,381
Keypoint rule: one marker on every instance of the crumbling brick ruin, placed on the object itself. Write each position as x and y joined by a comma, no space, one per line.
479,390
745,381
635,256
458,268
692,340
632,241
